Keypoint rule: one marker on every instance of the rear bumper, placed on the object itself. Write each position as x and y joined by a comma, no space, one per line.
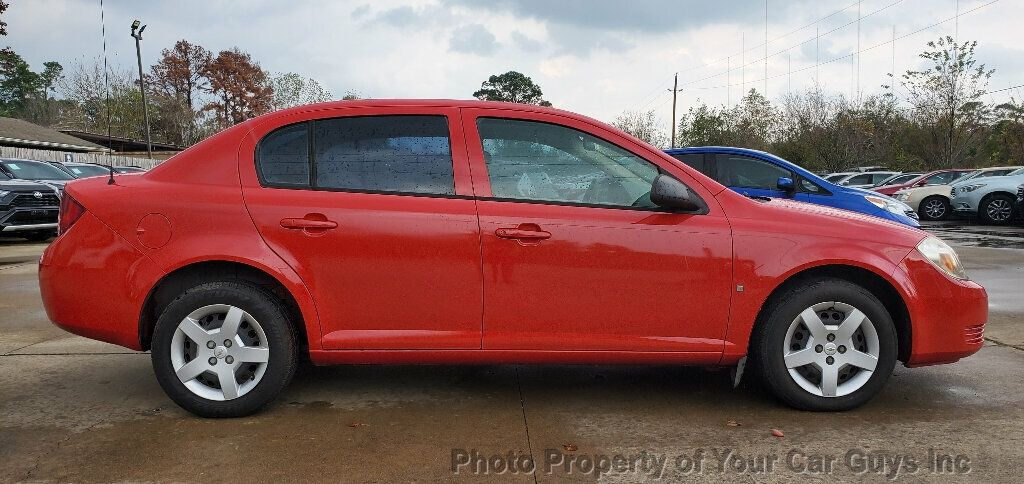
947,317
94,283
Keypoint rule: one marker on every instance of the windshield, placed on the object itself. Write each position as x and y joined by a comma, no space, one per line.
898,179
835,177
84,171
34,170
1019,171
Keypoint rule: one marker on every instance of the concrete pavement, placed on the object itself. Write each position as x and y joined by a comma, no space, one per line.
76,410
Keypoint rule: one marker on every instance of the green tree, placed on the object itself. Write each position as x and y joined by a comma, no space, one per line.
946,99
513,87
703,126
17,82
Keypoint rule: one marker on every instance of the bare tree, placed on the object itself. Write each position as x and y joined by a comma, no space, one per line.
946,98
291,89
643,125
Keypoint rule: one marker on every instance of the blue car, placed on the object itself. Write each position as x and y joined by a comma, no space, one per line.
756,173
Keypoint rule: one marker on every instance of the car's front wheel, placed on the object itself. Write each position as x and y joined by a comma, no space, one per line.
224,349
935,207
825,345
996,209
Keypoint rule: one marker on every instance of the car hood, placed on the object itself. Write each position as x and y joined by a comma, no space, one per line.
863,191
871,227
23,186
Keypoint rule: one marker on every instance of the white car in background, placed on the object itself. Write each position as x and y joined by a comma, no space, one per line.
933,202
866,179
992,199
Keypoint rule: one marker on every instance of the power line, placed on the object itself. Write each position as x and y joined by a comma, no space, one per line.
647,98
881,44
897,2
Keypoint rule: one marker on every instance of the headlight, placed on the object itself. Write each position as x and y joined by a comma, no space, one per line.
886,203
942,256
4,193
902,196
970,188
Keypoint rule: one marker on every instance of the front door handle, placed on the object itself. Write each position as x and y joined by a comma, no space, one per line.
311,223
523,233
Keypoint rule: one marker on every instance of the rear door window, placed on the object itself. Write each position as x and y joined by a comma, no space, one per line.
402,154
386,154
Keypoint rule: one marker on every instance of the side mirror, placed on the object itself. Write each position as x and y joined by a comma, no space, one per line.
785,184
667,192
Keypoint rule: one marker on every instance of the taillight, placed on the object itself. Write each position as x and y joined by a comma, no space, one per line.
70,212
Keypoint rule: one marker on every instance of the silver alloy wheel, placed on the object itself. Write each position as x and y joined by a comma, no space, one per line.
831,349
935,208
999,209
219,352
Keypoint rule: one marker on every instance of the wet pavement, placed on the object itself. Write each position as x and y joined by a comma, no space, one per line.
77,410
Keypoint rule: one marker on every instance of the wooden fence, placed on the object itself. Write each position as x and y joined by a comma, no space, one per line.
100,158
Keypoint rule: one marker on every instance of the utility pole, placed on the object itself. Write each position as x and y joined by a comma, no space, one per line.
743,65
728,81
817,61
858,49
765,48
137,33
675,90
892,83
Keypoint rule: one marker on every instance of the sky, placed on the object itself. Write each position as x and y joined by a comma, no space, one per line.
597,58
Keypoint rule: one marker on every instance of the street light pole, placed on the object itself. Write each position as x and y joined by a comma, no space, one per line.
137,33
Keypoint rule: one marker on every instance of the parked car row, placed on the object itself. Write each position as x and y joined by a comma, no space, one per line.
30,193
988,193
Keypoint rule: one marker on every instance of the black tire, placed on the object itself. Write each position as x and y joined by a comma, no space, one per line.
935,207
265,307
768,342
40,236
1000,217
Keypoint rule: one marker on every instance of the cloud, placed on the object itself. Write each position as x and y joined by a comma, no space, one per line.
526,43
472,39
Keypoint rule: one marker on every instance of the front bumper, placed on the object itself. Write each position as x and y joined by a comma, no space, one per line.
964,204
947,316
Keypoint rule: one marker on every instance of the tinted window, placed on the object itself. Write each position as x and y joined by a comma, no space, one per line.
83,171
530,160
742,171
858,180
809,186
282,158
409,154
694,160
941,178
880,177
35,170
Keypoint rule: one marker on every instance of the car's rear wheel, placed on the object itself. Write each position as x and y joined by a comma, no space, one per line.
224,349
935,207
825,345
996,209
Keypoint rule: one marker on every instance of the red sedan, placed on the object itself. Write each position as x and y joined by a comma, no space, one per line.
937,177
476,232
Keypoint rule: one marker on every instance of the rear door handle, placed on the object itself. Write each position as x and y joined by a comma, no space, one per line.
312,222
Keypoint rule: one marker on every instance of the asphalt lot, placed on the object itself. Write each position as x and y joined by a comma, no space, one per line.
76,410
